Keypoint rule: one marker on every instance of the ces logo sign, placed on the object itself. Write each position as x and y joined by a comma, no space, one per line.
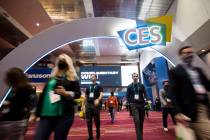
144,35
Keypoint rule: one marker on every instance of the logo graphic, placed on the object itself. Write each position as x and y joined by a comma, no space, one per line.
147,33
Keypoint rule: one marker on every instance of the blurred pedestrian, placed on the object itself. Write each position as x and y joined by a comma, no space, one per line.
166,105
120,104
189,89
157,104
113,105
147,108
17,107
56,106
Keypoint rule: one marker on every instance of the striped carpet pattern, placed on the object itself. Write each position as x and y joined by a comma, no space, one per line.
122,129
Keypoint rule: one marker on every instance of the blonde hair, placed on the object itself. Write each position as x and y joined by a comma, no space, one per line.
70,72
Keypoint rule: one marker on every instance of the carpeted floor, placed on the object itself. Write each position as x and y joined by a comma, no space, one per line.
122,129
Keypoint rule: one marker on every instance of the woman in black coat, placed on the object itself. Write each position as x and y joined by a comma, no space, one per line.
56,105
17,107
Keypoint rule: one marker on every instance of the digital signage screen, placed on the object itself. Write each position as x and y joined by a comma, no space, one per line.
106,75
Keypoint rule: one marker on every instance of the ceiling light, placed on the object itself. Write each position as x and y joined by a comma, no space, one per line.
203,50
37,24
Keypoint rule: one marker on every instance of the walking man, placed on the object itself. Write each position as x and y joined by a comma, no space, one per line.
189,89
136,96
166,105
94,95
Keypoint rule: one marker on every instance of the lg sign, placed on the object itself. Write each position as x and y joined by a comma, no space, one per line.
143,36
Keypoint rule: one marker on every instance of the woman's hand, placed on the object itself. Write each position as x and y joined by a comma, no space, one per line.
60,90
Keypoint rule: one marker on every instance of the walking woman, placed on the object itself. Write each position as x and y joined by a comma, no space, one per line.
56,107
17,107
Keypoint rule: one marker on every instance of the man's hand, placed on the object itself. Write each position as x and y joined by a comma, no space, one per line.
96,102
181,118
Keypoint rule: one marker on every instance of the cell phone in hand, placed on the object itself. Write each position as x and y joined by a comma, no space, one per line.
59,82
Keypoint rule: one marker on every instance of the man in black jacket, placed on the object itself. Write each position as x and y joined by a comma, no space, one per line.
188,90
135,96
94,95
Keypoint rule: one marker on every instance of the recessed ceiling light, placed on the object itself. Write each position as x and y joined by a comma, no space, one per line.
203,50
37,24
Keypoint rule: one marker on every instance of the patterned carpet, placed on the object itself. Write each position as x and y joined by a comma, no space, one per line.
122,129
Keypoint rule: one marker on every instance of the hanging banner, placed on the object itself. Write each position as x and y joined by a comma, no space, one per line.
147,33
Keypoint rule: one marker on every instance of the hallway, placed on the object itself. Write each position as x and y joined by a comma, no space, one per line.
123,128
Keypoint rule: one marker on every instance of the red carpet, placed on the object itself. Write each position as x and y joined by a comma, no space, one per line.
122,129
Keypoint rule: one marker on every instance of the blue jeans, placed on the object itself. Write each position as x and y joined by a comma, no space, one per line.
60,125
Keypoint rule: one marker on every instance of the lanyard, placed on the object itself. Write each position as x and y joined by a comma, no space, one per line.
92,89
136,92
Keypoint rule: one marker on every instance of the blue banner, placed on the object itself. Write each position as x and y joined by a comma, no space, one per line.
38,75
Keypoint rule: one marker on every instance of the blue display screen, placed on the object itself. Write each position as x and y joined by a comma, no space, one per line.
106,75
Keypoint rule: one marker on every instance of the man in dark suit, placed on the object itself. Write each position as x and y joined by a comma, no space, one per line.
188,91
136,96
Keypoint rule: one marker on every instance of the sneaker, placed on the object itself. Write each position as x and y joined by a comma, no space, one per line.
165,129
90,138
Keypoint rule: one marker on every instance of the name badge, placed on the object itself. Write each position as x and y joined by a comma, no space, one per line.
136,97
91,95
54,97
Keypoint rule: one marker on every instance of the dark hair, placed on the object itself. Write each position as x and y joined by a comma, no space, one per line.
164,81
181,49
94,75
15,77
134,73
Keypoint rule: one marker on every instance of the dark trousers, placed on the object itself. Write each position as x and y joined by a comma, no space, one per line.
112,113
60,125
130,112
165,112
13,130
138,113
92,112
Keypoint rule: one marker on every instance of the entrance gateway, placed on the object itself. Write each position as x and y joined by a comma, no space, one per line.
34,49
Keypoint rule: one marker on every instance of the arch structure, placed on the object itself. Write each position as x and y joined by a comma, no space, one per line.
33,49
